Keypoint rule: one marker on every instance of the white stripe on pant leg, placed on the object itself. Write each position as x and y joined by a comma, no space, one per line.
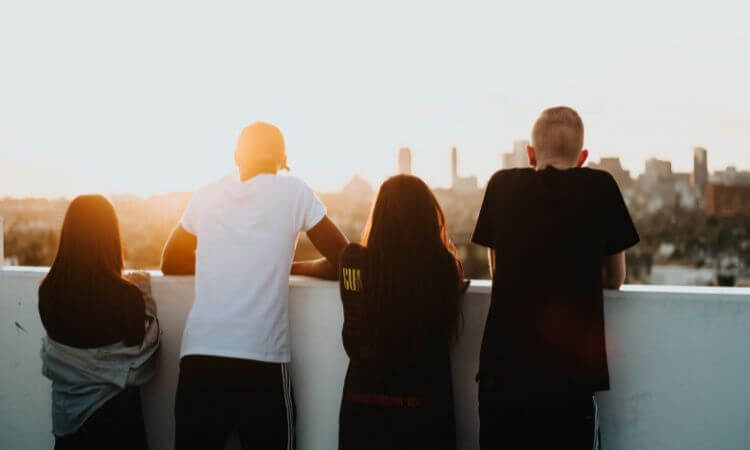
286,407
596,423
289,407
292,409
290,396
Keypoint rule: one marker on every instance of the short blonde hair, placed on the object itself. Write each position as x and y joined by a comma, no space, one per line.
261,144
558,132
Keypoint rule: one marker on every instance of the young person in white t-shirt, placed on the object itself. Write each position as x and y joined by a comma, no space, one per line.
238,236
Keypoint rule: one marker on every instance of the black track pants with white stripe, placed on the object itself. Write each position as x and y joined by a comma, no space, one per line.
216,395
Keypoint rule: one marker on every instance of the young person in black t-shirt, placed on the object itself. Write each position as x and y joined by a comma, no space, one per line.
401,291
557,234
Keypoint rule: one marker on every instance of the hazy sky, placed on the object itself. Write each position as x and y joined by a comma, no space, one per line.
150,96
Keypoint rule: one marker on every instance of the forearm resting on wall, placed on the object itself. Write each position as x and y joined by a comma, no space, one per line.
178,257
329,241
613,271
318,268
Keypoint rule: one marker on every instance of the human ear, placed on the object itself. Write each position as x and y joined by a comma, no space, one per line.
532,155
582,158
284,165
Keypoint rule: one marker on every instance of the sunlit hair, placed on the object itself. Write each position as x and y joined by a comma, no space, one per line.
558,133
413,277
261,145
90,251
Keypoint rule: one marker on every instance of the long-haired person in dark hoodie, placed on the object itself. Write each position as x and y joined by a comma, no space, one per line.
401,290
102,334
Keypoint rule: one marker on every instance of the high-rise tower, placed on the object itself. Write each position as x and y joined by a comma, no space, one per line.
458,183
517,157
404,161
454,166
700,168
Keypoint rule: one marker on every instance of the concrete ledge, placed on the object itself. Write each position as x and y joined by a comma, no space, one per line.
678,359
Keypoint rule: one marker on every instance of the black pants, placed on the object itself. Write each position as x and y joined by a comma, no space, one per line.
118,424
216,395
538,421
373,427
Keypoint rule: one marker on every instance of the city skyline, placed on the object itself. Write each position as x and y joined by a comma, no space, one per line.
90,106
515,157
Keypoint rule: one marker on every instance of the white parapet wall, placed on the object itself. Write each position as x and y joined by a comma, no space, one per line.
2,243
679,365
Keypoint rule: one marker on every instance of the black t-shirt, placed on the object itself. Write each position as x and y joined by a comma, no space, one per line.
429,376
550,230
406,407
113,311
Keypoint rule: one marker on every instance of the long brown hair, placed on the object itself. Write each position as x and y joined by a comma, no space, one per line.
89,255
413,279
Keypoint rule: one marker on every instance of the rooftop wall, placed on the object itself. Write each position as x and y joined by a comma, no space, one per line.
679,365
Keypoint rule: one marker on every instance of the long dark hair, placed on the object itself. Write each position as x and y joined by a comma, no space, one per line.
89,256
413,279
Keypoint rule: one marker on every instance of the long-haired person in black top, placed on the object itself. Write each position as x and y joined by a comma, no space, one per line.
401,290
102,334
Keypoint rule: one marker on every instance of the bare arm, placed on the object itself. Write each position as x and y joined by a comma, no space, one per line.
491,261
143,281
178,257
330,241
613,271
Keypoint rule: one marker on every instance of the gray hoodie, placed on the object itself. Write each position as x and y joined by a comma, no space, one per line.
85,379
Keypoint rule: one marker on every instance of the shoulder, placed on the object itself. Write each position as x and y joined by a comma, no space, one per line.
599,175
214,185
293,183
600,180
288,186
506,177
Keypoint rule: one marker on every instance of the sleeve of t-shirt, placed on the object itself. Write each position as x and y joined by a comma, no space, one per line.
350,288
484,232
312,210
621,232
190,217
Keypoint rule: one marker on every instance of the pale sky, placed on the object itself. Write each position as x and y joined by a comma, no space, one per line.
150,96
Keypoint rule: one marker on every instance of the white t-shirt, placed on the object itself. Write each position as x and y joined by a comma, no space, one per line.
247,233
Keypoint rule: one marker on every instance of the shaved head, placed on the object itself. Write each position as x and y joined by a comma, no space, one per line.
261,145
558,134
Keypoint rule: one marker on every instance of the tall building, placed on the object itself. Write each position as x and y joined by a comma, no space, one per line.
658,170
727,201
517,157
700,168
404,161
357,189
614,167
461,184
454,165
664,188
731,177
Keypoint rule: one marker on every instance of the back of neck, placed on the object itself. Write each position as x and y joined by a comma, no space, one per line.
253,172
556,164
